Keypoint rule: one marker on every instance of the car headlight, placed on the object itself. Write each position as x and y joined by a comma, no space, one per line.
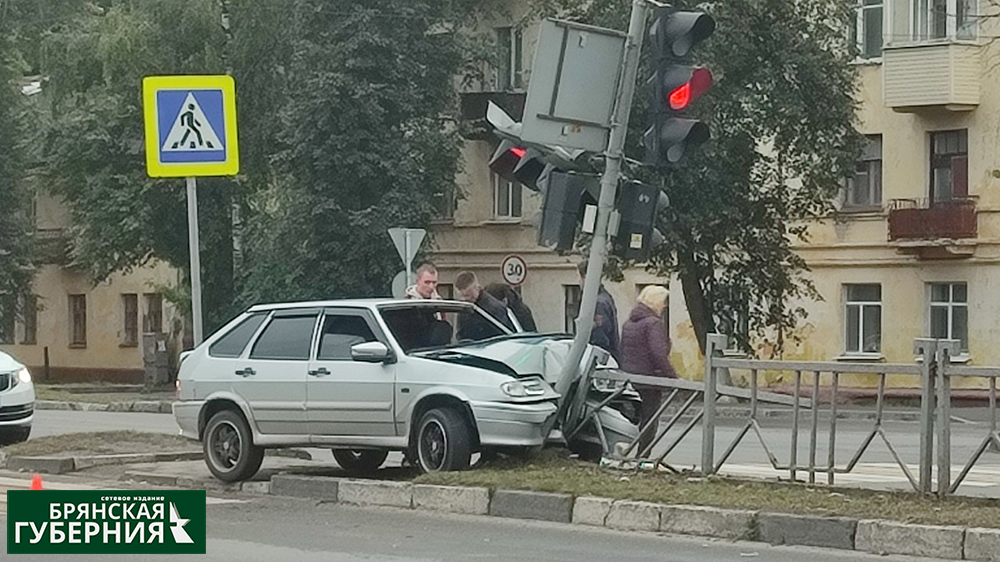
24,375
522,389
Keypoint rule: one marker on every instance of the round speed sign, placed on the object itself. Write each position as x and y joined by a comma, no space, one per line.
513,269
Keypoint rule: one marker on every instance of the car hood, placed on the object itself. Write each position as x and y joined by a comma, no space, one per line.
7,363
520,355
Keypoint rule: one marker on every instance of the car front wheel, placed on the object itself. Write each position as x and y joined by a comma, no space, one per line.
359,460
444,441
229,450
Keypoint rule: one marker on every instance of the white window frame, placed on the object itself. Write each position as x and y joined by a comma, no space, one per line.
848,204
864,306
859,28
922,11
950,305
515,66
499,213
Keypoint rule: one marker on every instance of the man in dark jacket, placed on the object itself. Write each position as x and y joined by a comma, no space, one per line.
474,326
605,332
513,301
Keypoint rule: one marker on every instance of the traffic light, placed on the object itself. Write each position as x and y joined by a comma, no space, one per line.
506,158
638,206
562,207
675,84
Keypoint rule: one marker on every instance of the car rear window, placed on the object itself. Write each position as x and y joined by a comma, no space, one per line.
286,337
233,343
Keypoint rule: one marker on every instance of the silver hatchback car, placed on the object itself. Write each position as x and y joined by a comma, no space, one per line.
365,377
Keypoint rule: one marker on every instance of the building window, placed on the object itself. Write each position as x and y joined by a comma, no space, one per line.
130,320
506,198
444,205
864,318
942,19
864,189
446,290
572,295
78,320
8,313
30,334
152,320
867,30
949,314
949,165
509,55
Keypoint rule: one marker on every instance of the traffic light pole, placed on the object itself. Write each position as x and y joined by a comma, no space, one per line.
609,185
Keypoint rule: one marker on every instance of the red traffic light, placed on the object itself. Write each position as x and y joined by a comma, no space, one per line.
518,151
699,83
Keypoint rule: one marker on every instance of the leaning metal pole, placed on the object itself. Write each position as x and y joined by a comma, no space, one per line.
609,186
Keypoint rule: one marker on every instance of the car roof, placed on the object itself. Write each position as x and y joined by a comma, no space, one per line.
358,303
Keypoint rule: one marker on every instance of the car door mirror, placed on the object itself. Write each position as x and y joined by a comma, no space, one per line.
371,352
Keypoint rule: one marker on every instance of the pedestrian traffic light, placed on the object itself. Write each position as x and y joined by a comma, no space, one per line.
674,84
638,206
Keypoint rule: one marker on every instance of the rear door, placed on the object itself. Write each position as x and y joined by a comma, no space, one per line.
272,379
347,397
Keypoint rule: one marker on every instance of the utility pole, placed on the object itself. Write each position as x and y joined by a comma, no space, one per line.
609,185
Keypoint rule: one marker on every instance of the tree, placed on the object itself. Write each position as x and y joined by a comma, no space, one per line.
782,114
16,241
367,140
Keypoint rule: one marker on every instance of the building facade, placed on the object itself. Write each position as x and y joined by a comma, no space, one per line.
914,248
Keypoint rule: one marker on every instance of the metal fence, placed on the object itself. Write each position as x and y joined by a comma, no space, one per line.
933,371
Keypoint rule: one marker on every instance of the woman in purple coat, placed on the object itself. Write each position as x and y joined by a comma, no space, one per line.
645,350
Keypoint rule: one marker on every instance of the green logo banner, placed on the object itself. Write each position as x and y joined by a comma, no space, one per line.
106,522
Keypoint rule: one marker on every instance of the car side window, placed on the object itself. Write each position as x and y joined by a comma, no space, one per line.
233,343
340,332
285,338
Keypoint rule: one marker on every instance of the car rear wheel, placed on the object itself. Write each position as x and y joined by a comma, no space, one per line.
360,460
444,441
229,450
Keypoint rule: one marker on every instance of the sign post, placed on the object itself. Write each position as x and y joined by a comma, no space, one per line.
190,125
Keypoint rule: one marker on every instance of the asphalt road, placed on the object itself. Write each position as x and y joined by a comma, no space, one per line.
59,422
280,530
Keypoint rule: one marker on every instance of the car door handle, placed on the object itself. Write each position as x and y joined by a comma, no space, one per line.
321,372
246,372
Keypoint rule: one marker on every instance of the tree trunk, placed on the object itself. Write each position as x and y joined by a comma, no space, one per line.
697,306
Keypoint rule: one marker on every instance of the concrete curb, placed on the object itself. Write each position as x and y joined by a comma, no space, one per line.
141,406
842,533
63,465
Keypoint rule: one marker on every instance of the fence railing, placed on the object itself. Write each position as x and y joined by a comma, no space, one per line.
932,371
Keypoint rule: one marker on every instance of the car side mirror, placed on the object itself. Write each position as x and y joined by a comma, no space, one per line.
372,352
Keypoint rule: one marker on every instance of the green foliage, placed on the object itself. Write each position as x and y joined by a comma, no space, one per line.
16,247
782,115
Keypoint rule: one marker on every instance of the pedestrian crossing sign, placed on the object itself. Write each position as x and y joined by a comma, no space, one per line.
190,126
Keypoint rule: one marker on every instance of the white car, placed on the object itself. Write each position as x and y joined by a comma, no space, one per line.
17,401
365,377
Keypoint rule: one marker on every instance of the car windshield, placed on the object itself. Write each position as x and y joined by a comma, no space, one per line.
429,326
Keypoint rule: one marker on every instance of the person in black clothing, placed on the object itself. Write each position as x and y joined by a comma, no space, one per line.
474,326
605,333
512,300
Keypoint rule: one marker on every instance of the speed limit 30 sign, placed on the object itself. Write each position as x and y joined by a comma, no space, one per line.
514,270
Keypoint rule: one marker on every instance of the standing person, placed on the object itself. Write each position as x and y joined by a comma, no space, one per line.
605,331
426,285
512,300
473,326
646,351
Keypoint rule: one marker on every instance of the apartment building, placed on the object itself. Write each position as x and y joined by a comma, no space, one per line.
914,249
75,331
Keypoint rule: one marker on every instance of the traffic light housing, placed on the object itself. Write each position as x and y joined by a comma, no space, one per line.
564,198
674,84
638,206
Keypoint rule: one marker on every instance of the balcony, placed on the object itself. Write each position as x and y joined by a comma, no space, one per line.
933,230
473,109
932,75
